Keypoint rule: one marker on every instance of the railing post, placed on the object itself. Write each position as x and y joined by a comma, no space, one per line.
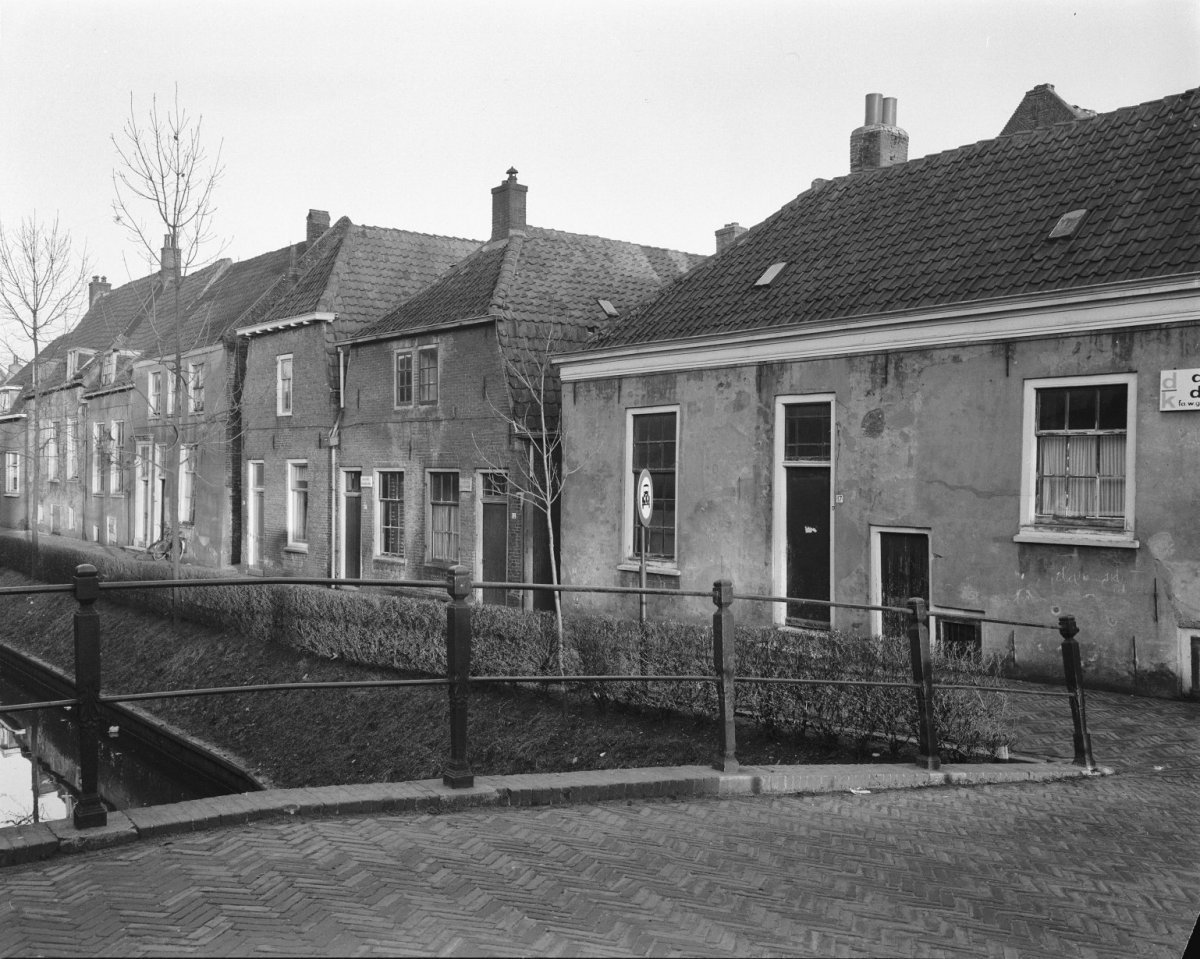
1073,670
458,773
922,671
89,810
724,660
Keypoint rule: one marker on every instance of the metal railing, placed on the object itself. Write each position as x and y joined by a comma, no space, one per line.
89,810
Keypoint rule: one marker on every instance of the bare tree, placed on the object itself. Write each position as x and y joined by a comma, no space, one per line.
164,184
41,291
532,416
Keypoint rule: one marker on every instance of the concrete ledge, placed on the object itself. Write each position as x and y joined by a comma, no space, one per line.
24,844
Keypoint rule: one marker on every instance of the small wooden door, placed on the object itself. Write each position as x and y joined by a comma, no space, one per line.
494,546
808,522
903,574
352,524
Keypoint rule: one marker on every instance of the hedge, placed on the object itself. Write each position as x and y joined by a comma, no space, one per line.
407,634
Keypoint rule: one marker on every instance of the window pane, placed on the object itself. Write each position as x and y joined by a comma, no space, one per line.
428,372
806,432
404,379
1081,409
1052,409
1113,404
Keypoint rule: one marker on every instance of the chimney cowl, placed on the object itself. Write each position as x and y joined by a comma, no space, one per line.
98,286
878,142
508,206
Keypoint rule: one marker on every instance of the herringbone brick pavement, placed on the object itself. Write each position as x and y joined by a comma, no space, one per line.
1104,867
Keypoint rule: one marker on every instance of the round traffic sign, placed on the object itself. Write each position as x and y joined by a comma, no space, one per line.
645,497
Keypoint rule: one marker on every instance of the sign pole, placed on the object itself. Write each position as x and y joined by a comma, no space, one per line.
643,493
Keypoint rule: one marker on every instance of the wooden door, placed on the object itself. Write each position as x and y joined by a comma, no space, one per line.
352,525
808,523
903,575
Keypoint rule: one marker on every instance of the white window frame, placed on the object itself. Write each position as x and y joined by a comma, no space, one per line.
430,557
172,384
196,387
398,404
70,453
378,531
629,536
1031,531
284,401
256,479
779,494
116,441
51,446
12,474
292,541
154,393
97,471
188,454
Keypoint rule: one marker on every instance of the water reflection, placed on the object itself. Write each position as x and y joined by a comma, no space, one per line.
29,793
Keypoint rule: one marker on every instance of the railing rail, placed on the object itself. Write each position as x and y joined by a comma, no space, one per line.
89,811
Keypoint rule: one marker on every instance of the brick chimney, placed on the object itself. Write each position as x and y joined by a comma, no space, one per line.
508,206
878,142
97,288
317,223
728,234
169,262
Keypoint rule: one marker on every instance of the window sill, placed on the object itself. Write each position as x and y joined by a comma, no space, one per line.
1112,539
296,548
652,569
13,495
388,560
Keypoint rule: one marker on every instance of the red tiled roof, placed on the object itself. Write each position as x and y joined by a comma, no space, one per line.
965,225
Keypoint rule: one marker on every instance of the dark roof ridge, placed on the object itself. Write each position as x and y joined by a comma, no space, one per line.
531,230
408,232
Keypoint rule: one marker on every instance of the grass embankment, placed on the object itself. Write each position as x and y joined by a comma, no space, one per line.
310,738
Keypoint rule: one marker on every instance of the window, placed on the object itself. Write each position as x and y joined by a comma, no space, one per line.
188,455
653,441
403,374
283,385
154,386
116,443
99,445
71,454
427,371
1077,484
12,474
443,516
297,504
196,388
390,490
108,369
172,382
50,448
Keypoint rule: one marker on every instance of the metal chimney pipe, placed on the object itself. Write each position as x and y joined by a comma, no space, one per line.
874,108
889,111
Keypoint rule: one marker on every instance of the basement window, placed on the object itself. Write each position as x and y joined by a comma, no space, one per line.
772,271
1067,225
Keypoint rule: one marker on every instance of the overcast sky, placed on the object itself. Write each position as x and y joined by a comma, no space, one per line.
656,121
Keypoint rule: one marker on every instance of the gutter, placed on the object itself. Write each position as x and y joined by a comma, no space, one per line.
421,330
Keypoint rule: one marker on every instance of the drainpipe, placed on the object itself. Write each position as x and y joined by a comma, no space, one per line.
334,444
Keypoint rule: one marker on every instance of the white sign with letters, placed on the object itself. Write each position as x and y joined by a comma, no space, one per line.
1179,390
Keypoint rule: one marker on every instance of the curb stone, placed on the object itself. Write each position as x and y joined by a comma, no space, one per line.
30,843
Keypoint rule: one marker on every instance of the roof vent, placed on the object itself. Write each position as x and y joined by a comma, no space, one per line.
609,309
771,272
1067,225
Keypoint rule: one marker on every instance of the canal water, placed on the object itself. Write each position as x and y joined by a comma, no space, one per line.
39,771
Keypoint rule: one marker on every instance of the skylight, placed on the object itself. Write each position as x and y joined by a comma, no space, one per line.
772,271
608,308
1067,224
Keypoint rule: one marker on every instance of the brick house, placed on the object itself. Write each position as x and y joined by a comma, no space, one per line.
436,427
290,406
963,377
108,396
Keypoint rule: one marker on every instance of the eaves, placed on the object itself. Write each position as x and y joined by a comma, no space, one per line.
421,330
287,322
1070,312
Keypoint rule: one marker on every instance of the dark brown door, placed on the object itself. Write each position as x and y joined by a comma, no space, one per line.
494,496
903,574
352,540
808,520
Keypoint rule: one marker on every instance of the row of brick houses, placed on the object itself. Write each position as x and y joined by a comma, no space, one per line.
972,377
339,411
